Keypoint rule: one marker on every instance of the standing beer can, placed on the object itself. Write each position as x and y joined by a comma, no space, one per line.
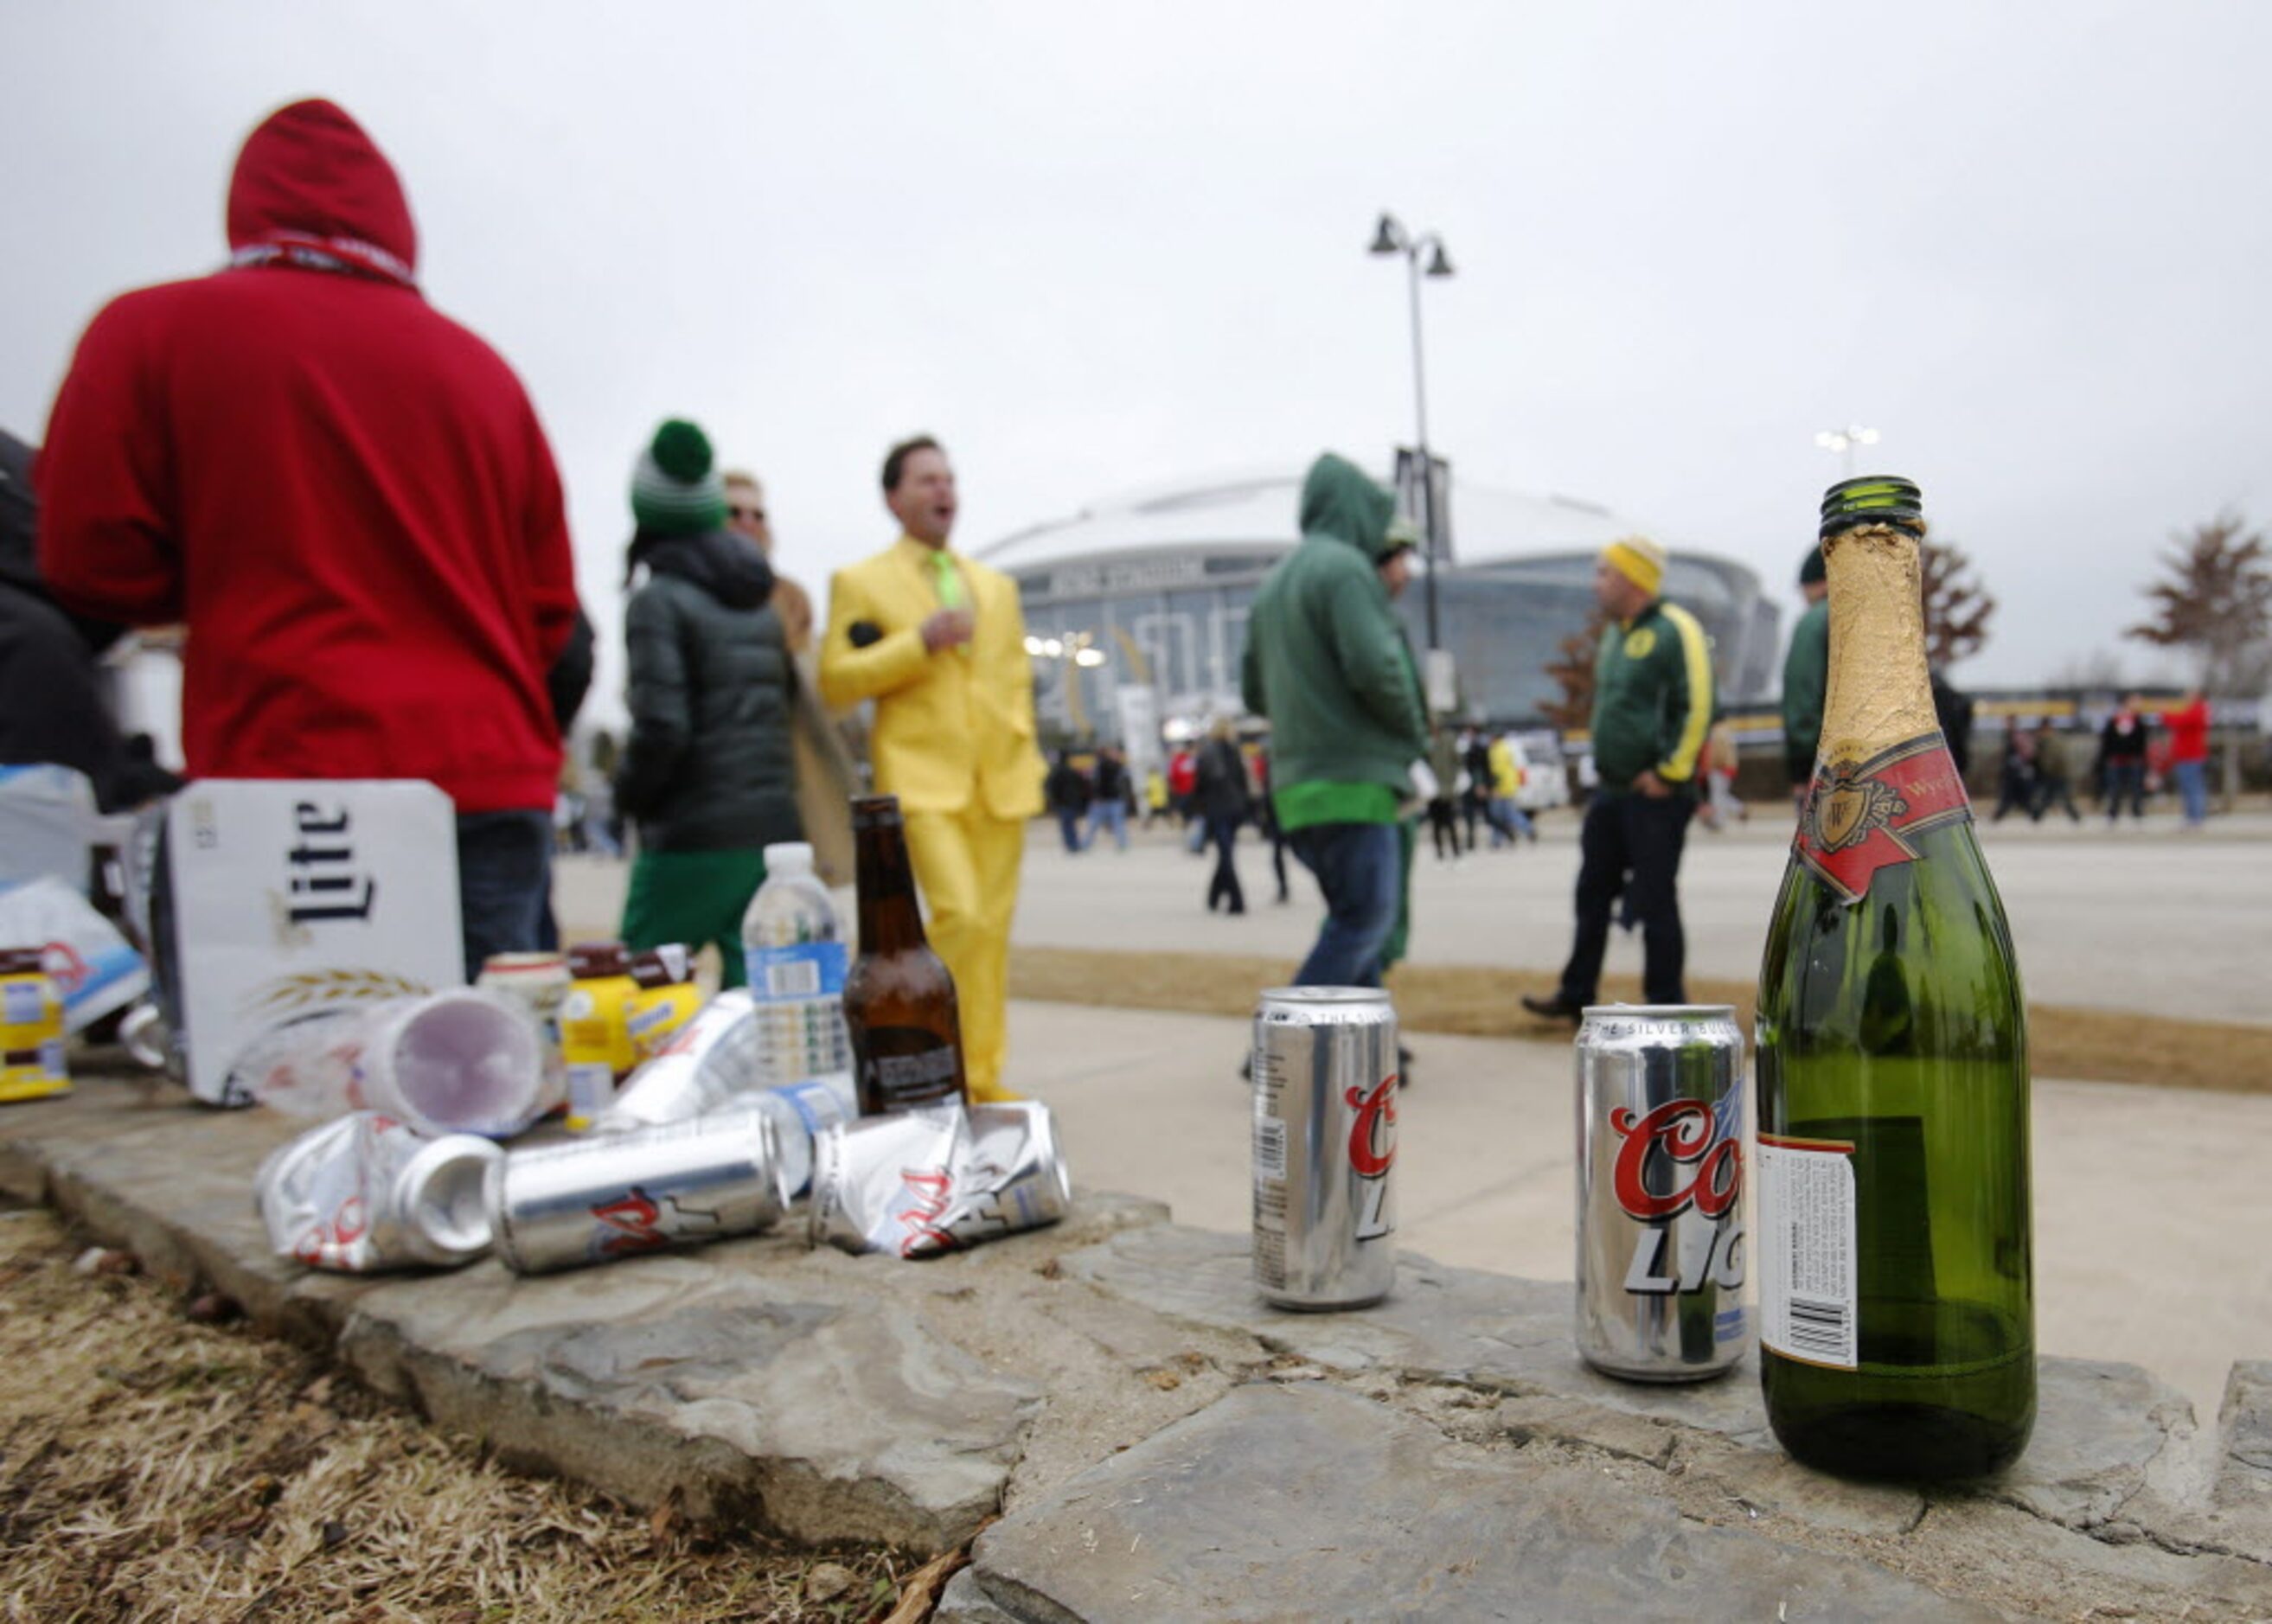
594,1201
1661,1248
1325,1146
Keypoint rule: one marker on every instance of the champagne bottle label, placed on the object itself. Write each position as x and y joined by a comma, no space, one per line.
1806,1256
1859,813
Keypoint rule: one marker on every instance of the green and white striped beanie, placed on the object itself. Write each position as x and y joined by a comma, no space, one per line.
675,490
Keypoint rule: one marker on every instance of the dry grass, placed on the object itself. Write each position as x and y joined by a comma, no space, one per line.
155,1468
2100,1046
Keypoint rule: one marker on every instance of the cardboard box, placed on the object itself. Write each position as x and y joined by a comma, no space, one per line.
285,904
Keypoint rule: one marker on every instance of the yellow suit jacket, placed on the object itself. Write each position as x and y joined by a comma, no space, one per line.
950,727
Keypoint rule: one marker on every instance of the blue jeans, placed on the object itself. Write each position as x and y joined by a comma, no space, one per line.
1112,814
1356,867
504,882
2193,788
2125,780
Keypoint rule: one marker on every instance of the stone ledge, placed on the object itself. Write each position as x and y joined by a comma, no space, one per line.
834,1398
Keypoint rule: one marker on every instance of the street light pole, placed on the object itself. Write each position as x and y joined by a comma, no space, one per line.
1391,238
1844,440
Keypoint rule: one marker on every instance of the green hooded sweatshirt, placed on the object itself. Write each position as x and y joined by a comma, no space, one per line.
1326,662
1805,674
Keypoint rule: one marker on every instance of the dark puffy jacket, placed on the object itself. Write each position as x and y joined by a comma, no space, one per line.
707,766
1223,781
52,707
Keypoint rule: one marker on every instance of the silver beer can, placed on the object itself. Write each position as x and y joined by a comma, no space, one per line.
1661,1248
594,1201
937,1179
1325,1147
364,1192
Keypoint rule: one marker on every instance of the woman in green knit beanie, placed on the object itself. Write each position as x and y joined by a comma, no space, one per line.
706,773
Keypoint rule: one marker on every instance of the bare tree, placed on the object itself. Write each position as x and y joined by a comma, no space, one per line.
1572,671
2214,602
1957,606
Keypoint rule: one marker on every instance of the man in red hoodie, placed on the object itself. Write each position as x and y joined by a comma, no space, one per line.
2187,721
346,498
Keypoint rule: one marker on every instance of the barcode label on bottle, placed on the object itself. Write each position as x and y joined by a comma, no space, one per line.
807,970
1270,1148
1805,1249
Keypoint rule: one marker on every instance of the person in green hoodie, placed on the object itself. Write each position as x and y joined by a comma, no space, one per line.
1652,708
1326,662
1806,674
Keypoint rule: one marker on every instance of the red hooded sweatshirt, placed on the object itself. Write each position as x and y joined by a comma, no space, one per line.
343,493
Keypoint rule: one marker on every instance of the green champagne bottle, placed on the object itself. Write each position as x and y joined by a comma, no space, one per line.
1893,1256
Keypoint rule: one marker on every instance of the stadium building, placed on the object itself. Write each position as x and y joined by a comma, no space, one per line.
1137,606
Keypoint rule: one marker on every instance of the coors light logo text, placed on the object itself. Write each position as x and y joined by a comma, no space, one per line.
1705,1161
1372,1151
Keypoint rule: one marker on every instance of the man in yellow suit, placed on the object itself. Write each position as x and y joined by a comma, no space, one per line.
939,642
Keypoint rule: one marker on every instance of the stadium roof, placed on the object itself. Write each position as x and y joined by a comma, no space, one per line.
1259,509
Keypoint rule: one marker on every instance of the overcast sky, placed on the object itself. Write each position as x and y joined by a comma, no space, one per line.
1094,248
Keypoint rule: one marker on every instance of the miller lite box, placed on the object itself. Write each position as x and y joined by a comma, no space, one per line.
282,906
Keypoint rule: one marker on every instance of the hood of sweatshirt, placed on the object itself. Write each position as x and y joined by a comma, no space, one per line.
1339,499
310,174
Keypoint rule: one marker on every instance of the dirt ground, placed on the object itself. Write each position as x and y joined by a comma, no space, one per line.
2084,1044
156,1468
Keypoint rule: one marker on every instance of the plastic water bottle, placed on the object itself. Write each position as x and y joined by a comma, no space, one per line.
793,949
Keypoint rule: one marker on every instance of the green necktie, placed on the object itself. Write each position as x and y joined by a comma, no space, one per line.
950,579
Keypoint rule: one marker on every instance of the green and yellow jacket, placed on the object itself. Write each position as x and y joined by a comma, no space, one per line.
1652,697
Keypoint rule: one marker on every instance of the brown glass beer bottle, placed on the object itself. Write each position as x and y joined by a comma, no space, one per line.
898,999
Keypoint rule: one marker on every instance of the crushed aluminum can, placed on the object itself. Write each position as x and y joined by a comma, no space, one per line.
365,1192
596,1201
802,1111
142,1035
713,1058
937,1179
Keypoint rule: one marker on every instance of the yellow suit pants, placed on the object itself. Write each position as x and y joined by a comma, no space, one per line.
966,864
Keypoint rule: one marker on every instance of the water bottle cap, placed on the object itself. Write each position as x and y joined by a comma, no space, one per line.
790,854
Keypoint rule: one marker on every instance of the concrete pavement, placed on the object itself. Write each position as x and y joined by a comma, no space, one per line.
2147,918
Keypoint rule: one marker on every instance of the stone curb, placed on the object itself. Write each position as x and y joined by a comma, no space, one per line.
1458,1460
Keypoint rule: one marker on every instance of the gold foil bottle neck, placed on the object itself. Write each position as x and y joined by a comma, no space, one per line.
1879,693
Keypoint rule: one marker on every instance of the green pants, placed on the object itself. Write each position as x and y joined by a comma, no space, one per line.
693,897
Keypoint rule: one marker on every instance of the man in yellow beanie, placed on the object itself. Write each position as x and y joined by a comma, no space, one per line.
1652,709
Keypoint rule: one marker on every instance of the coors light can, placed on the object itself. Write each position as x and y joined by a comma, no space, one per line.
1324,1143
1661,1249
594,1201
